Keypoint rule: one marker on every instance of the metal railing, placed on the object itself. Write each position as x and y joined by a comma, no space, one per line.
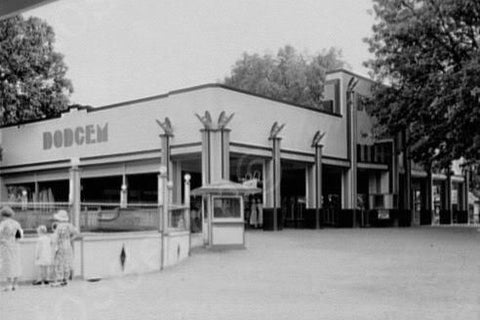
179,217
102,216
33,214
110,217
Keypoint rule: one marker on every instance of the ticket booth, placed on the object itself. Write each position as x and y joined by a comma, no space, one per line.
223,213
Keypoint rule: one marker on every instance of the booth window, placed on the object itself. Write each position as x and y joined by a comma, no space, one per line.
227,207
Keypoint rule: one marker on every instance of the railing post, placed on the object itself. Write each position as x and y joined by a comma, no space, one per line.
163,199
124,192
186,201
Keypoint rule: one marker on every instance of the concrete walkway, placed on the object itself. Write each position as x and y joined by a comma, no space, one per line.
412,273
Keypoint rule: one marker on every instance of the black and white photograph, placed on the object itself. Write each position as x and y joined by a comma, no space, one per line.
239,159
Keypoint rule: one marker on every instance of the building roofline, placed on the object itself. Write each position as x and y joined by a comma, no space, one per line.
205,86
174,92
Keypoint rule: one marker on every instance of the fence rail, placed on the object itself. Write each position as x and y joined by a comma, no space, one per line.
109,217
102,216
33,214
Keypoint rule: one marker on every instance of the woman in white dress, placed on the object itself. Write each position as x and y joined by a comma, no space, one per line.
10,232
62,237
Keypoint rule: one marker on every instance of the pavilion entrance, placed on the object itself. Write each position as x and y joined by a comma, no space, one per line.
293,194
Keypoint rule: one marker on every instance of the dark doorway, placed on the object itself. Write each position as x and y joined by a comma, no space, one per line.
332,193
293,195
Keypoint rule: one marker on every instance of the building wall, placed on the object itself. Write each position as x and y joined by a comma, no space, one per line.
365,122
132,127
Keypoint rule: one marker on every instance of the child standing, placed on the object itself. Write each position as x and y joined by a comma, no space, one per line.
43,255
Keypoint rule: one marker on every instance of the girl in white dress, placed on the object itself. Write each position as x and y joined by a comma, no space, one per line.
43,255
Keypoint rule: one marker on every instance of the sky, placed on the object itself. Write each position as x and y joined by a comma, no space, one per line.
119,50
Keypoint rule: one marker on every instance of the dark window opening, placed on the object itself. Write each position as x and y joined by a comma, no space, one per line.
53,191
17,192
106,189
143,188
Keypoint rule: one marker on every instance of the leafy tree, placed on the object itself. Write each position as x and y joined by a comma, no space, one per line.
288,76
427,52
32,74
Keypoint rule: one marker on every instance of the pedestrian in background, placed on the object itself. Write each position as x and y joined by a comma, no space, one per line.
10,232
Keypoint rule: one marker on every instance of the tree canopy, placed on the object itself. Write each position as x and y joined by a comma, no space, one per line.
32,73
288,76
427,53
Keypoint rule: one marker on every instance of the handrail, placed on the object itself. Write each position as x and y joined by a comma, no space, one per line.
116,204
16,204
105,204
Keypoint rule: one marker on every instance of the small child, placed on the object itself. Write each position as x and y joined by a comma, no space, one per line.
43,255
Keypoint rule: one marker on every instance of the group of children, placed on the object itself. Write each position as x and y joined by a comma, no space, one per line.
54,253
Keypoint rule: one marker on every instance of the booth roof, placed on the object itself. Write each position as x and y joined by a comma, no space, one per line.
225,187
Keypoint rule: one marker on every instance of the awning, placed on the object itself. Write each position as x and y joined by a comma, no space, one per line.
225,187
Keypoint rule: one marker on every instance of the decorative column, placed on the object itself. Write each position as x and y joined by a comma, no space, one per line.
74,191
124,190
165,139
351,184
448,194
318,176
215,158
310,186
165,176
275,172
186,203
186,200
407,181
215,148
163,212
36,190
352,146
429,193
225,151
466,188
394,170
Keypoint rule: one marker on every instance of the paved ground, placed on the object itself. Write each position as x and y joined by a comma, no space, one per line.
414,273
